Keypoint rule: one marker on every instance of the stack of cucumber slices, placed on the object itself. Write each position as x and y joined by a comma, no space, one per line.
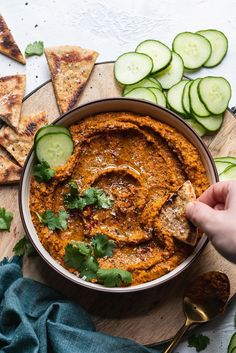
153,67
226,168
54,145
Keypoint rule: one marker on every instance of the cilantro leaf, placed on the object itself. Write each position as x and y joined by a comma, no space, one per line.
23,247
114,277
43,172
5,219
91,196
102,246
89,268
54,222
34,49
79,256
200,342
103,200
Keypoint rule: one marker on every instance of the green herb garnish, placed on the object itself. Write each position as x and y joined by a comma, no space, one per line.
83,257
200,342
114,277
5,219
43,172
102,246
54,222
92,196
79,256
34,49
23,247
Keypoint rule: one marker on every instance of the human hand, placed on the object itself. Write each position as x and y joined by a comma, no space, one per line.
215,214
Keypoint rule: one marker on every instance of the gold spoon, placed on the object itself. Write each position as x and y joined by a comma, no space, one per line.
204,298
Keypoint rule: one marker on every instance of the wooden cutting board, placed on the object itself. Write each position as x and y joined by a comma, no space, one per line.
149,316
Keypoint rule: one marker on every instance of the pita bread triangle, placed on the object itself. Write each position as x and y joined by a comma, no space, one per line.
12,89
171,219
70,68
9,171
18,144
8,45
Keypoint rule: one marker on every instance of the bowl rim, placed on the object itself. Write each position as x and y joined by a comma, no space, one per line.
70,276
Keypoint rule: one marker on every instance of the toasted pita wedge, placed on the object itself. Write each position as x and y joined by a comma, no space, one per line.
70,68
8,45
12,89
9,172
18,144
172,220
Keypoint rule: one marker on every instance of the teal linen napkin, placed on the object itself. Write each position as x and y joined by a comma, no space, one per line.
36,319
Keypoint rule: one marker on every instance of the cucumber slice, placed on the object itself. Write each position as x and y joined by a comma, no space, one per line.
174,97
219,44
155,82
132,67
215,93
160,97
142,93
159,52
211,123
50,129
229,174
172,74
193,48
226,159
54,148
196,104
146,82
185,98
221,166
198,128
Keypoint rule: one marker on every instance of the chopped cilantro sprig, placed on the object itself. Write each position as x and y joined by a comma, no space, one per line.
83,257
92,196
34,49
54,222
200,342
113,277
23,247
43,172
6,218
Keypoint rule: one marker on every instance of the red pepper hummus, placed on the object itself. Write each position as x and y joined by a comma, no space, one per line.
140,162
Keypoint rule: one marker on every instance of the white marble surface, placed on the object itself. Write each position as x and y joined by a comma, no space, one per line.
112,27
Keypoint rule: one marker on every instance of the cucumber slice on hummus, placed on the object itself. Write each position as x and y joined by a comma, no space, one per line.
54,148
50,129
